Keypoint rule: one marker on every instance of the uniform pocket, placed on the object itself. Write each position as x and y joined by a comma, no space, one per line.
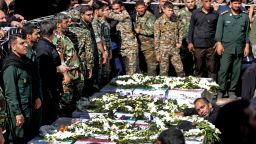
242,27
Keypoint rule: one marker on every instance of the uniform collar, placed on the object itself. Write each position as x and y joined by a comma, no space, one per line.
188,10
166,18
210,11
146,13
235,16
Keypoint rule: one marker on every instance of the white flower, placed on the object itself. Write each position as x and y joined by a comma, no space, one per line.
193,132
129,108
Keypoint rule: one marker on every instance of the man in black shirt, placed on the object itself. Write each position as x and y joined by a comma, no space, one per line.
201,38
203,108
51,71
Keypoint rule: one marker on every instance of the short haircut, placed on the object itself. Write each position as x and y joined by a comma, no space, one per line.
203,98
104,6
13,39
168,4
59,17
28,28
235,0
118,2
85,8
172,135
47,28
97,5
140,2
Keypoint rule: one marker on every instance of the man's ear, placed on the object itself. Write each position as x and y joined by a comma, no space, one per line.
122,8
28,36
58,25
210,105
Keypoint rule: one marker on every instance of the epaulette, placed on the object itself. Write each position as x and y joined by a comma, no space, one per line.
245,12
226,11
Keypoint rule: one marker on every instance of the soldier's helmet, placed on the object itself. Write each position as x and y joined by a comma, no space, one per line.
74,15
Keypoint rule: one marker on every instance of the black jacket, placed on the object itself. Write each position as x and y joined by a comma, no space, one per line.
211,117
202,28
48,59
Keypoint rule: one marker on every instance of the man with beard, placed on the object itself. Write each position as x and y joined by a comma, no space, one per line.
86,18
73,79
232,43
105,30
145,32
31,34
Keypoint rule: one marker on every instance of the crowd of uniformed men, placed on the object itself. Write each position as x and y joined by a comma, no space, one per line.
51,66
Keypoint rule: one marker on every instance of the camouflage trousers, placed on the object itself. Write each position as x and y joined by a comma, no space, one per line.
100,70
129,55
71,93
105,76
172,55
150,58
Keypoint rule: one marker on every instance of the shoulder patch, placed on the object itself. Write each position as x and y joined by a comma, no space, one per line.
225,12
244,12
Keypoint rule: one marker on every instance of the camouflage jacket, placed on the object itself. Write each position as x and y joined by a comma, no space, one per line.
184,16
105,32
84,52
124,26
3,114
92,42
146,25
96,25
167,33
67,54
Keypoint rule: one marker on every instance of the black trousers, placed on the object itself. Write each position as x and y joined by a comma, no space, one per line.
205,62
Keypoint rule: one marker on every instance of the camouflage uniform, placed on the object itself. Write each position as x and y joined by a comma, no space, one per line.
84,42
129,46
92,84
105,32
146,39
84,49
69,57
167,34
3,114
184,16
96,25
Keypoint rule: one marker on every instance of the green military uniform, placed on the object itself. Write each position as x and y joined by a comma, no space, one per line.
91,84
37,90
184,16
17,80
3,114
84,52
69,58
146,39
233,32
166,35
129,46
85,46
96,25
105,32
